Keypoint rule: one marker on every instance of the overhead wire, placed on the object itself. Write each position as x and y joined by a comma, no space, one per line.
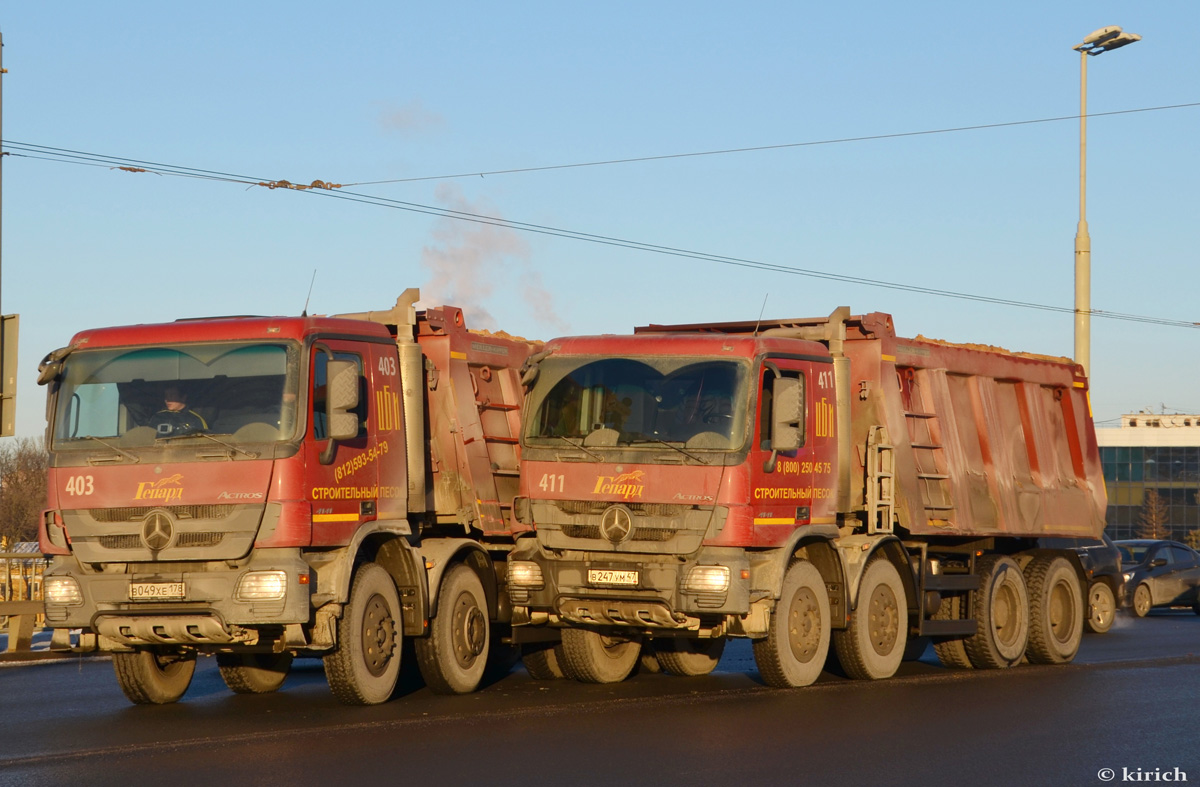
738,261
758,148
337,191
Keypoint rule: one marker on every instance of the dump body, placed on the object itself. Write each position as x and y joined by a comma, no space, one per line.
676,477
985,442
305,447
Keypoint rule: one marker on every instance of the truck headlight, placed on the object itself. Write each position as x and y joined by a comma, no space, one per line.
262,586
62,590
525,574
707,580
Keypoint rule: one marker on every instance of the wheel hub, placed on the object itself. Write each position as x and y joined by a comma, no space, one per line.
469,630
804,625
378,635
883,626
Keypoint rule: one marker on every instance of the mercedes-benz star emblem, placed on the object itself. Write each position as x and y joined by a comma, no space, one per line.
157,531
616,524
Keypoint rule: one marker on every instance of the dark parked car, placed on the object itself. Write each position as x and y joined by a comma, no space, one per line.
1101,561
1160,574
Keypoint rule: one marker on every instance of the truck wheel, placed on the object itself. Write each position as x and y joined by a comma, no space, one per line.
688,657
648,663
1142,601
454,655
1001,609
254,673
150,678
951,652
543,661
1055,610
872,646
362,669
591,657
797,642
1102,608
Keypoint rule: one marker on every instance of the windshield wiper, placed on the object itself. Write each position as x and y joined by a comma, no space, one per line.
580,446
674,447
230,446
132,457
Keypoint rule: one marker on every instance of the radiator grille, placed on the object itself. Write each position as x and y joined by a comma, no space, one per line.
639,533
597,507
183,540
135,513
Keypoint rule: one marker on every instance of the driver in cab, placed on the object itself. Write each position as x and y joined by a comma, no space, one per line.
175,418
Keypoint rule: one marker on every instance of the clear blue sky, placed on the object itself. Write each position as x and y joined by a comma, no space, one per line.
381,91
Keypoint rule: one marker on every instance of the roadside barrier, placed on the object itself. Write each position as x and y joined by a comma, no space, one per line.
21,615
21,607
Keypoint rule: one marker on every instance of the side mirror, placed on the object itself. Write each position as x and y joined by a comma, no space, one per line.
1158,561
787,415
51,366
341,398
787,418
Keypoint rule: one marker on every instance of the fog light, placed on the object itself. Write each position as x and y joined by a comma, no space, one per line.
707,580
62,590
262,586
524,574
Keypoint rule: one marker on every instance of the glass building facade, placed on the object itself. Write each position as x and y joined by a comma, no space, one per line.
1152,454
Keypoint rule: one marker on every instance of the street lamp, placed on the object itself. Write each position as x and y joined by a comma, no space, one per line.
1103,40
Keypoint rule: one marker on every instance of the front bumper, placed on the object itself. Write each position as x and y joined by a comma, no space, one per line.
605,589
210,611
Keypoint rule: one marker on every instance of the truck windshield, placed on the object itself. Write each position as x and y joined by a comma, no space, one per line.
691,402
243,392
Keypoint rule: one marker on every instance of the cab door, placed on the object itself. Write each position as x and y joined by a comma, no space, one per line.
790,488
388,429
342,475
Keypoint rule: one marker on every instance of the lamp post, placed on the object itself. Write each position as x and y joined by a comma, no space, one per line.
1097,43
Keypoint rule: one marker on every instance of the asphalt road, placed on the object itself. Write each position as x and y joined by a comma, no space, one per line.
1130,703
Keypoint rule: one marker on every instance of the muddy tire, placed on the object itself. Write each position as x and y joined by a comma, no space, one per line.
543,661
648,663
688,657
952,652
1142,601
1102,608
454,655
872,646
1056,612
1001,609
362,670
591,657
150,678
254,673
797,642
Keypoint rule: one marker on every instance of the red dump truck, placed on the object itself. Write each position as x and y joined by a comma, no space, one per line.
811,484
261,488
